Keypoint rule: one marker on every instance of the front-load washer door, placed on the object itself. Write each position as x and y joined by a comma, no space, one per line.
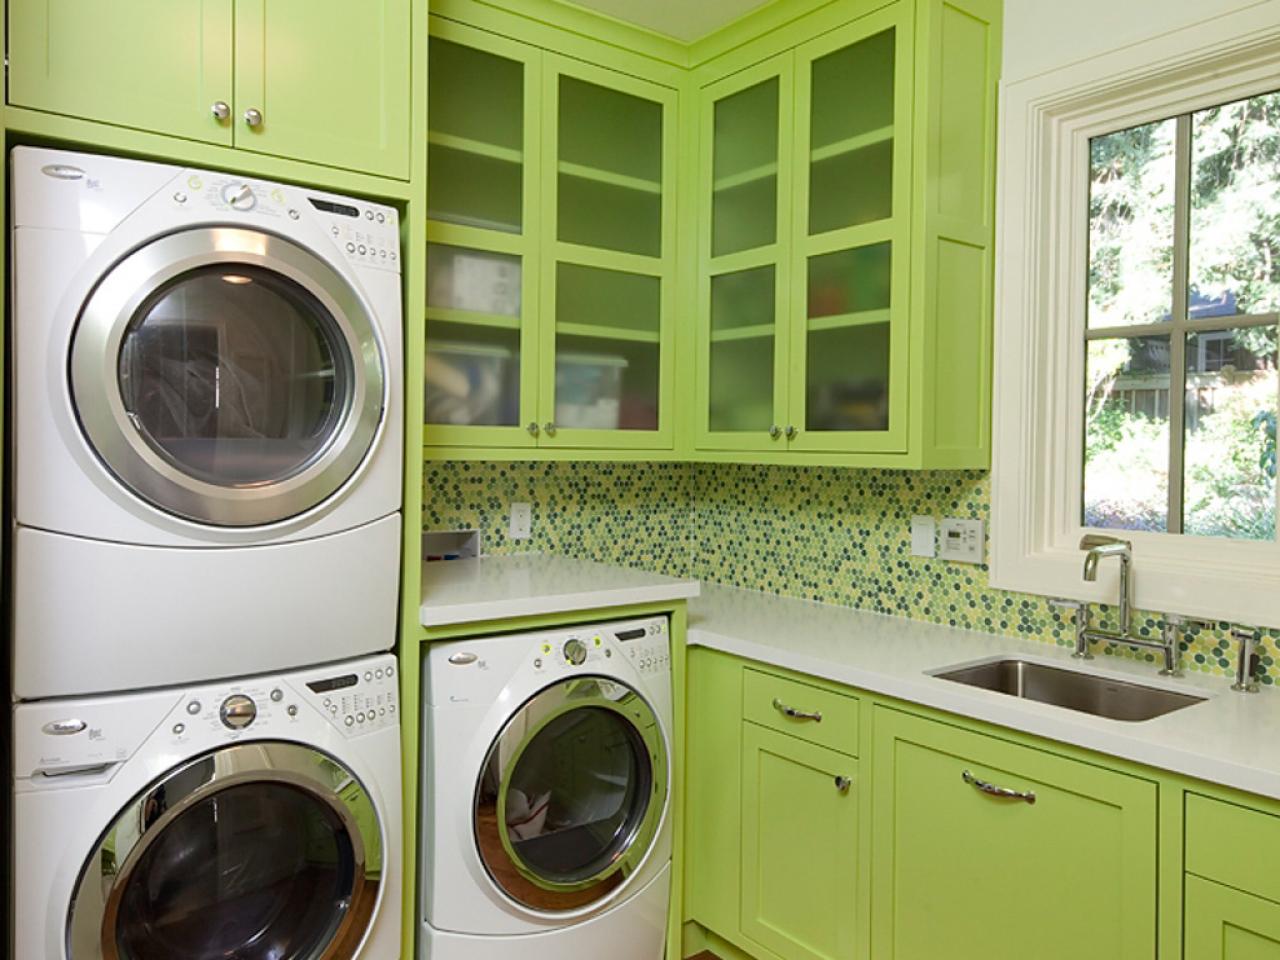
227,376
257,851
571,795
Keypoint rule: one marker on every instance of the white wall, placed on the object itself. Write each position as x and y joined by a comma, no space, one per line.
1042,35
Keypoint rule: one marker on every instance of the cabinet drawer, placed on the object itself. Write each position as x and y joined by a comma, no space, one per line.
821,716
1233,845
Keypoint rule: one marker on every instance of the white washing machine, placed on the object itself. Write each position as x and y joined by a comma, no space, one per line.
207,398
255,819
547,767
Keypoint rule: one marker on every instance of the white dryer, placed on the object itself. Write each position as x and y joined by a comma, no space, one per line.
207,399
255,819
546,794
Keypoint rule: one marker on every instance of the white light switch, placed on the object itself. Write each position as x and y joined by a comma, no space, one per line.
962,540
521,521
924,537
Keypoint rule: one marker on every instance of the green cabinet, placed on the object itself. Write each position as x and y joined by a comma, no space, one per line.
322,81
845,193
1223,923
799,846
551,277
987,848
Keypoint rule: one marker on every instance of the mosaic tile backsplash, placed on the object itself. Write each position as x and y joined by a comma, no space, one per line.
831,534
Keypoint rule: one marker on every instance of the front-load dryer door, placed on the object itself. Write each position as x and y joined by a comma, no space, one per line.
227,376
572,794
256,851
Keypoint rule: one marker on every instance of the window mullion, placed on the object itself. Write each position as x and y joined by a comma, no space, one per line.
1181,317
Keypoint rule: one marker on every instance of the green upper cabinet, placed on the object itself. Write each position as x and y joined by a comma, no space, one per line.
981,847
157,65
551,267
845,276
329,80
321,81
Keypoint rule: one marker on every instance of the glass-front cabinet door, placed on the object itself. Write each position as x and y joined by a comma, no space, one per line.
850,256
743,276
482,240
608,280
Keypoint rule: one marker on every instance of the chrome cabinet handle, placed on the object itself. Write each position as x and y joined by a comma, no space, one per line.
253,117
791,432
775,432
550,428
843,784
991,790
533,429
795,714
220,110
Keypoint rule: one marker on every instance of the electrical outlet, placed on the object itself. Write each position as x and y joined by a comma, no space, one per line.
521,521
962,540
924,537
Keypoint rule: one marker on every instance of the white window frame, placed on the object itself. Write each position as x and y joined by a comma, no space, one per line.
1041,288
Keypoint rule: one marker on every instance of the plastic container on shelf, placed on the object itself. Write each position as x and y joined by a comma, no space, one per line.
470,384
589,391
474,281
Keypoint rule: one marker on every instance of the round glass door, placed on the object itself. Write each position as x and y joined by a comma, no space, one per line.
227,376
571,795
231,856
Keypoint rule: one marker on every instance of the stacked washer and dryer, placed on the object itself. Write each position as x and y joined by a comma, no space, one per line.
206,450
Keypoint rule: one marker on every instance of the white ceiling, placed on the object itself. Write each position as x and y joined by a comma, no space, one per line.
685,20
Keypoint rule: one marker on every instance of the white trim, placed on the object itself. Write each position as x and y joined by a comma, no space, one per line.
1040,298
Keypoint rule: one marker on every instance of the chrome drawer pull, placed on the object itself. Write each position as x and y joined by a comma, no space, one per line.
993,791
795,714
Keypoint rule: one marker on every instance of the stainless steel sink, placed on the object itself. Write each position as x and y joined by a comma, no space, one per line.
1088,693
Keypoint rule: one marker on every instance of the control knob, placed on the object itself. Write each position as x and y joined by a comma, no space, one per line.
239,196
238,711
575,651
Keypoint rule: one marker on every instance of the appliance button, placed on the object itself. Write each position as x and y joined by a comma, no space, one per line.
368,675
333,708
179,729
390,671
180,197
359,718
334,231
382,218
368,214
293,214
351,247
393,255
462,659
378,673
61,728
348,720
238,711
392,707
538,663
193,707
292,709
277,695
382,711
575,651
363,249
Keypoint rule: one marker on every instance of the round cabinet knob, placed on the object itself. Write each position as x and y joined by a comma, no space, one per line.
239,196
791,432
775,432
550,428
238,711
575,651
253,117
220,110
533,429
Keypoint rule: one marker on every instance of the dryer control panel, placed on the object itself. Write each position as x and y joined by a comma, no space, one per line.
358,700
647,645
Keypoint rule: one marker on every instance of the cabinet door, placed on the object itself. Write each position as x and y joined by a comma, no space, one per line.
851,257
481,361
962,871
608,282
799,846
1223,923
330,79
744,262
157,65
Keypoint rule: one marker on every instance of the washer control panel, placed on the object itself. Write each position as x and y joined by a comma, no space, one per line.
361,699
647,645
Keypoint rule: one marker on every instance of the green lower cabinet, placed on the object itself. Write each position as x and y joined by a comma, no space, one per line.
964,870
1226,924
799,846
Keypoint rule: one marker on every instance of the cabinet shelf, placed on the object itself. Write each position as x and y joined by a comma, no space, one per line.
746,177
475,147
755,331
860,318
502,321
850,145
596,174
604,332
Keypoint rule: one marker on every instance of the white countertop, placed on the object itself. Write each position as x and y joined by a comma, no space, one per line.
1229,739
527,584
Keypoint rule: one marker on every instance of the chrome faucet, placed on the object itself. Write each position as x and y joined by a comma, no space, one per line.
1100,547
1246,660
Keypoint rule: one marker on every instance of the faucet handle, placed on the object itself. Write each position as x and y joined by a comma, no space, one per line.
1091,541
1247,661
1182,622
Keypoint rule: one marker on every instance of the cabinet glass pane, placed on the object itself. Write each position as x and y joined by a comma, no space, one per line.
610,169
476,138
847,344
851,135
743,333
607,349
472,364
744,210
